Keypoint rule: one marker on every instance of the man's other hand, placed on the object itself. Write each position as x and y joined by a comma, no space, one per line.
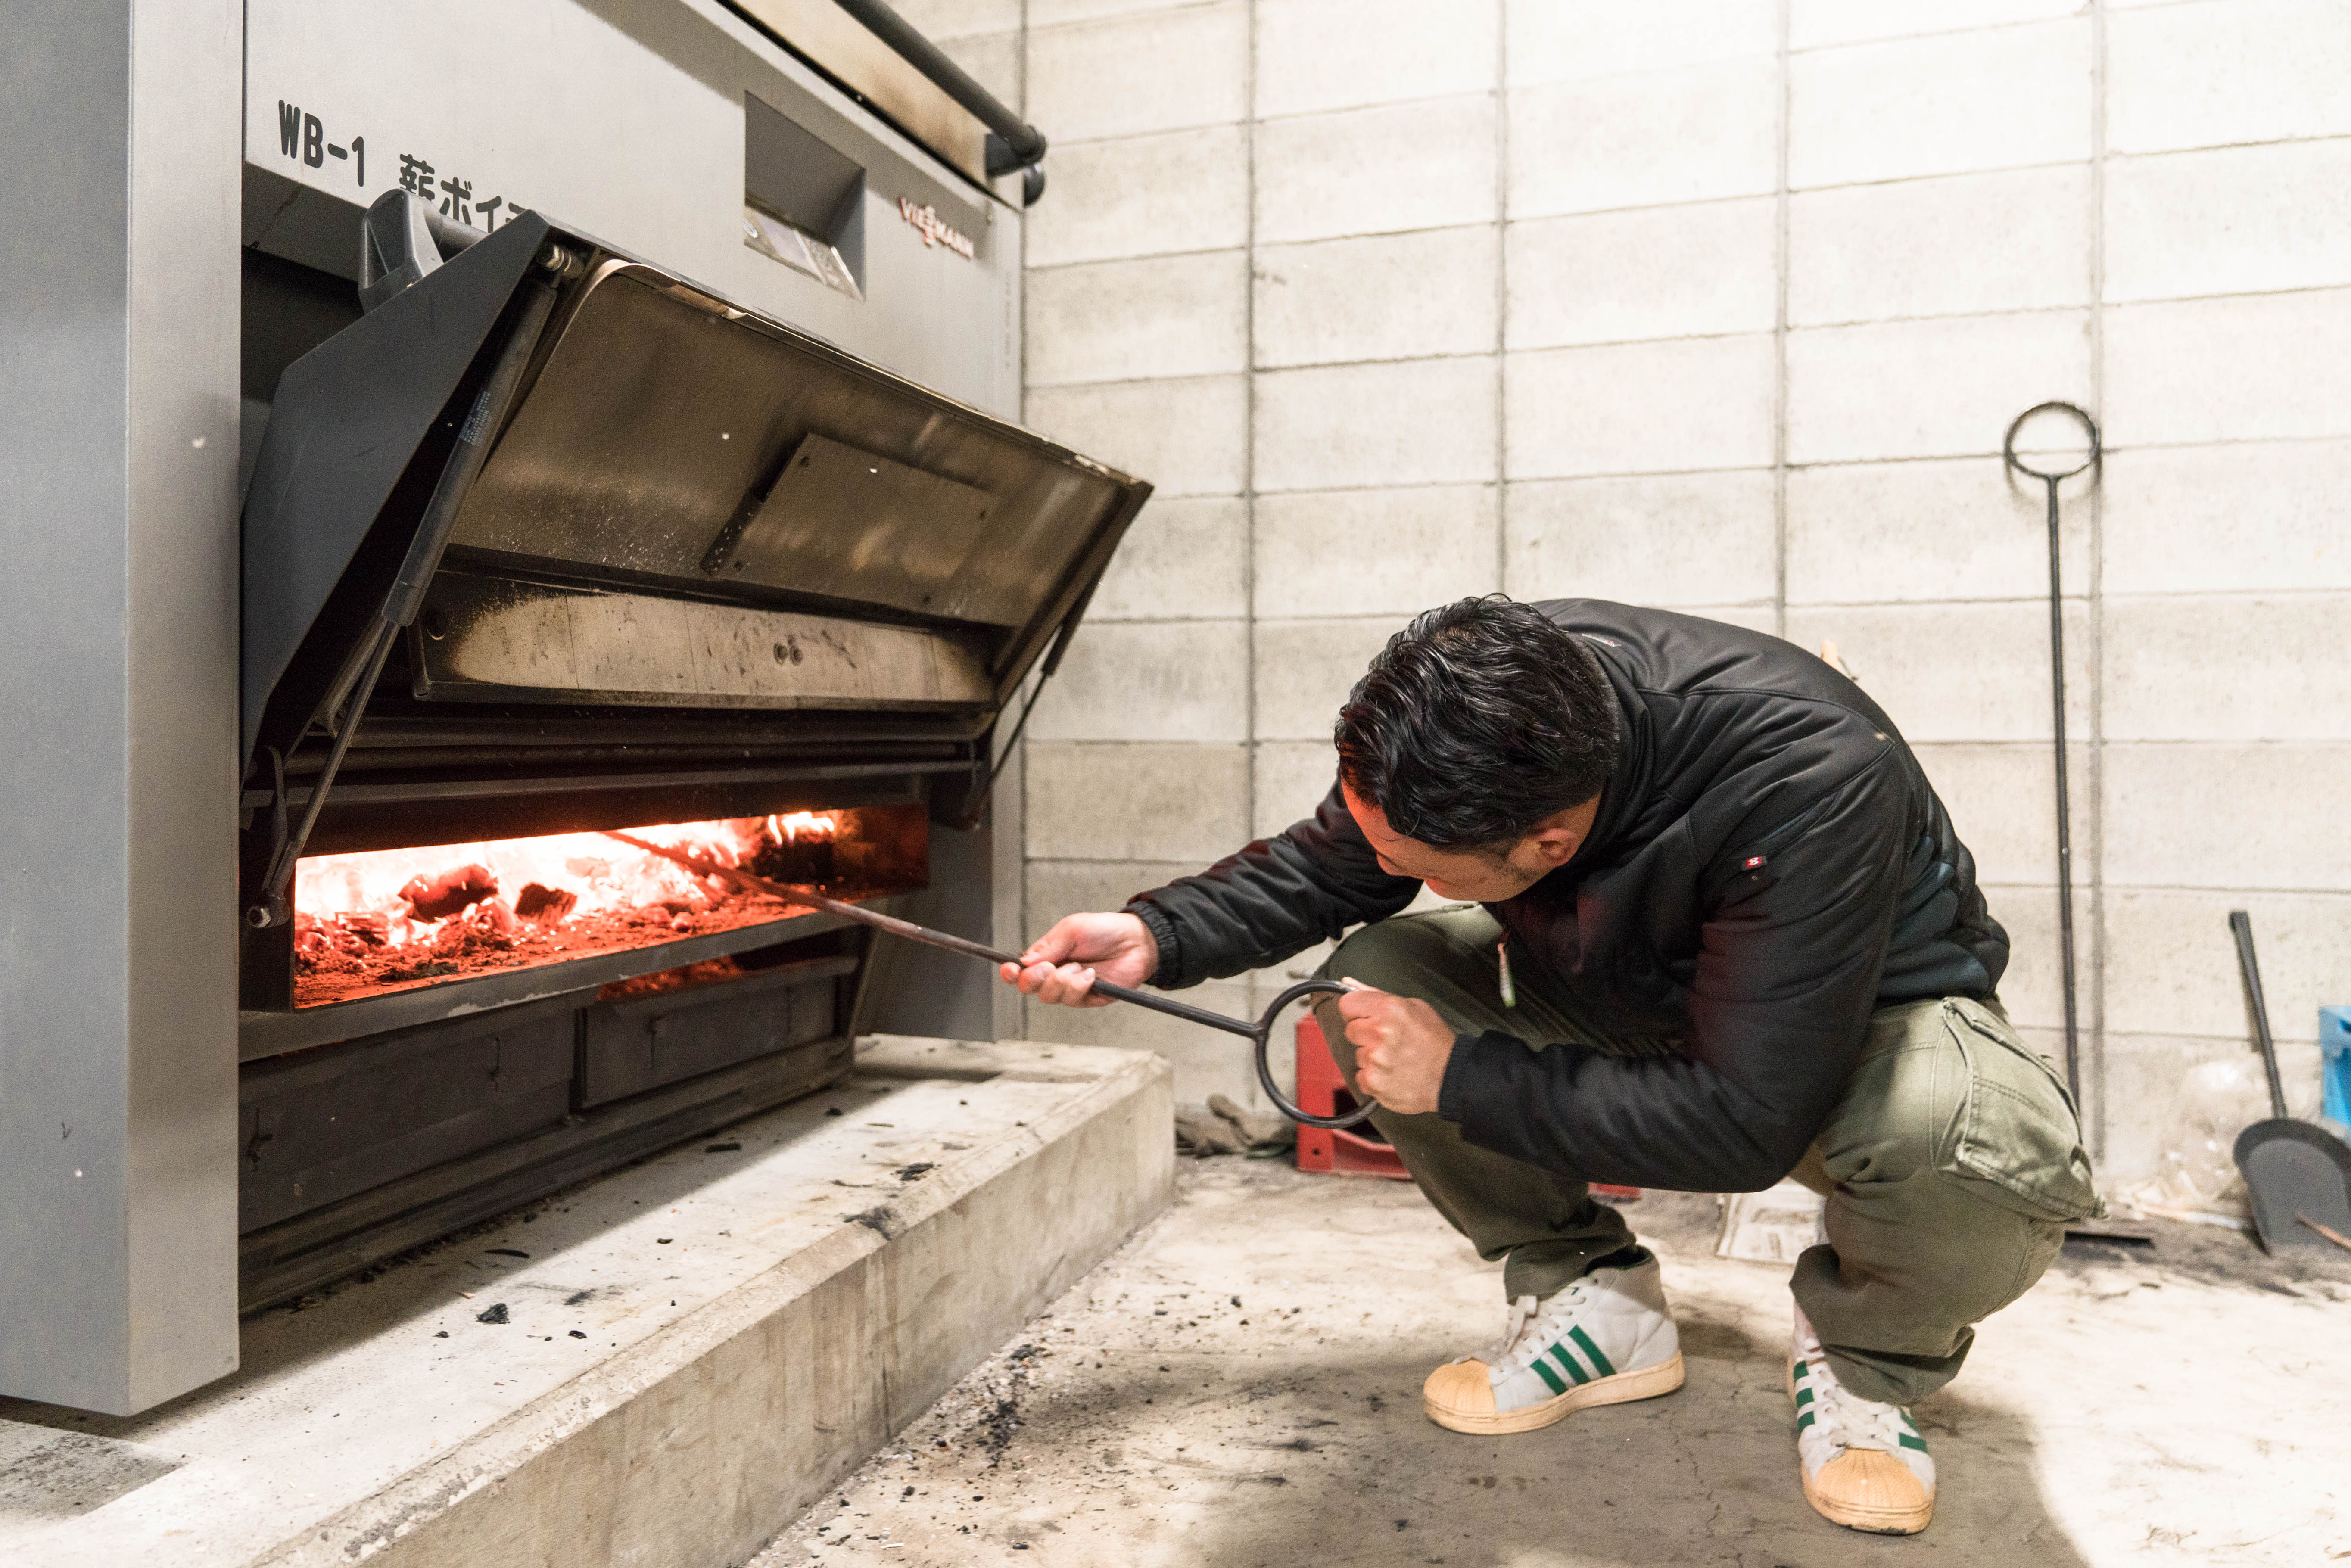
1060,966
1401,1049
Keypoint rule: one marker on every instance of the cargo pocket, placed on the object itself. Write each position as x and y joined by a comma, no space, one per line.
2016,1140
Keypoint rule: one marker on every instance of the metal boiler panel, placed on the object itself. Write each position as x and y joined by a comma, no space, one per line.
149,140
117,698
640,122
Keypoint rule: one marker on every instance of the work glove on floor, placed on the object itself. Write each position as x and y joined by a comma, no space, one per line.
1225,1128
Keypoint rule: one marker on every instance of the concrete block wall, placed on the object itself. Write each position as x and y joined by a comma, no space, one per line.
1725,306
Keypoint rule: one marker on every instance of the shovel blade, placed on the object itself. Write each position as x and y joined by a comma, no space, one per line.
2295,1168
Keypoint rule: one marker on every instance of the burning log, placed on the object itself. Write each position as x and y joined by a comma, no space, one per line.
375,919
542,903
437,898
355,935
360,929
808,862
339,946
488,927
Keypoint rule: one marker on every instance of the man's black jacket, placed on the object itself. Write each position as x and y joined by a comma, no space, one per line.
1769,864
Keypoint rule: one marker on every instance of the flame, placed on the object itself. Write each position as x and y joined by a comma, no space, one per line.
367,921
797,827
386,896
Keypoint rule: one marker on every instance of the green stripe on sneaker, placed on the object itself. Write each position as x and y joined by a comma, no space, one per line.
1804,1368
1908,1441
1550,1377
1803,1420
1591,1351
1803,1397
1567,1364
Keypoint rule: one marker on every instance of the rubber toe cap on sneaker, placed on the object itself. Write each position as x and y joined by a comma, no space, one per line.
1462,1389
1867,1489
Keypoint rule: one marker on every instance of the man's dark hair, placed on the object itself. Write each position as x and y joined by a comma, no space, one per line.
1476,722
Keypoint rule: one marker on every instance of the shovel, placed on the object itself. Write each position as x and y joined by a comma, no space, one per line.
2298,1173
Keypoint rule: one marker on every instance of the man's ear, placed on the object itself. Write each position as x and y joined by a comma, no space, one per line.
1557,837
1556,846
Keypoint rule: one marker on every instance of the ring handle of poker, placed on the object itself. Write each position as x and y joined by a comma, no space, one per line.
1263,1035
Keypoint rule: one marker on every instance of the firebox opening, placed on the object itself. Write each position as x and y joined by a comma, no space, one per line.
377,921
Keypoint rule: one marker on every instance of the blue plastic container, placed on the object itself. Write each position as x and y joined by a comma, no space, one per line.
2334,1063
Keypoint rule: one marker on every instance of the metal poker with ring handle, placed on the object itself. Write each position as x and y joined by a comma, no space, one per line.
2057,682
1259,1033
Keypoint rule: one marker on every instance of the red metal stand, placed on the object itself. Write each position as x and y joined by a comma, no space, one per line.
1322,1091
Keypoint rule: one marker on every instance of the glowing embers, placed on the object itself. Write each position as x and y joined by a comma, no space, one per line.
385,919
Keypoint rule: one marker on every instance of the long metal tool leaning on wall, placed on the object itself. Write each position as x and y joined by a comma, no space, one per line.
1714,929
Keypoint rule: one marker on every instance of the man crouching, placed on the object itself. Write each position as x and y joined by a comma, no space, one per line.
1715,929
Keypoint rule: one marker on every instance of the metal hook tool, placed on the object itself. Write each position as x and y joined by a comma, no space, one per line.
1259,1033
2057,683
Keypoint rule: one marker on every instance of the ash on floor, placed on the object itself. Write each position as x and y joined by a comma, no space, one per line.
1240,1386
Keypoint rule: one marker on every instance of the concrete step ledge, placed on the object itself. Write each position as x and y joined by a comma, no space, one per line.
697,1435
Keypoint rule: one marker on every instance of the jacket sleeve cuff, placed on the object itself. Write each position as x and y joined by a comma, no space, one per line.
1170,973
1463,1071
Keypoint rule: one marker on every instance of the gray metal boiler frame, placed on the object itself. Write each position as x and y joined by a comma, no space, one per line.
119,365
122,162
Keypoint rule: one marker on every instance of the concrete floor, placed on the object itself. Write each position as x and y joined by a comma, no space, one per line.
1239,1386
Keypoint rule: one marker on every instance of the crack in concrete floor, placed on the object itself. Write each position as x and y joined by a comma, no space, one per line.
1240,1386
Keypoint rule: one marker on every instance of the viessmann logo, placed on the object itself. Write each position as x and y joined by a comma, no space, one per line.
933,229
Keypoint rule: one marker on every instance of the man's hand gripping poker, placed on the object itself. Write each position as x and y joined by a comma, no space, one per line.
1401,1045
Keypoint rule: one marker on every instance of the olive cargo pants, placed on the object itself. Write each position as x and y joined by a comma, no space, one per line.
1950,1165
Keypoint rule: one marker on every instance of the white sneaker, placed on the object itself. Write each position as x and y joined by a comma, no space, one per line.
1864,1464
1603,1340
